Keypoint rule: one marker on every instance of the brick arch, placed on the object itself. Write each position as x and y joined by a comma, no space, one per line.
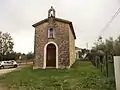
45,47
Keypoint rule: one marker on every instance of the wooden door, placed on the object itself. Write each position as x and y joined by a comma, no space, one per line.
51,55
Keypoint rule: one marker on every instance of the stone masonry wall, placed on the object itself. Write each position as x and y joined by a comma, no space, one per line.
61,39
40,41
71,47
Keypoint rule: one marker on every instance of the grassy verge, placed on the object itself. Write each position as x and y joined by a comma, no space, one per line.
82,76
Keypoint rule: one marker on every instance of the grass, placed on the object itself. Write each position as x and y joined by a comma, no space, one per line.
82,76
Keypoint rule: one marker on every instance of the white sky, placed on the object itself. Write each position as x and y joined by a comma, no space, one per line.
88,17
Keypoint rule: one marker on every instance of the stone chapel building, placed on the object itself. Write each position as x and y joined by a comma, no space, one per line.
54,44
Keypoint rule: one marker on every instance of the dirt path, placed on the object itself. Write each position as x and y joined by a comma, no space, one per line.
4,71
3,87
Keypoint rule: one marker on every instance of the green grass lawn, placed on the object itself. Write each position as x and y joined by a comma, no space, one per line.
82,76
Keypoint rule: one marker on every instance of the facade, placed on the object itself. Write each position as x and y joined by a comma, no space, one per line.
54,44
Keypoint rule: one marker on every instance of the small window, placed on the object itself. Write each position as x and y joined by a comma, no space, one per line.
51,33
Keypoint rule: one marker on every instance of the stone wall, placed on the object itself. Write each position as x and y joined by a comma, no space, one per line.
40,41
61,39
71,47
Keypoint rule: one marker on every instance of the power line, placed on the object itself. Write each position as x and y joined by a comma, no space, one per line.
111,20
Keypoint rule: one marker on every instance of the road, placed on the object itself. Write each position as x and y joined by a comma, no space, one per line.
4,71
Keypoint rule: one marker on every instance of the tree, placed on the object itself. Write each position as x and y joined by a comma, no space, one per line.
6,44
105,52
116,46
30,55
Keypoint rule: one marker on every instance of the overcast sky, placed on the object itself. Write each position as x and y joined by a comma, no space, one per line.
88,17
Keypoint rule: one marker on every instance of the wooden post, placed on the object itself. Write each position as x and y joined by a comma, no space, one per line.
106,64
117,71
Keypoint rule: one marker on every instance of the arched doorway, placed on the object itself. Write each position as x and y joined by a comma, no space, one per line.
51,55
